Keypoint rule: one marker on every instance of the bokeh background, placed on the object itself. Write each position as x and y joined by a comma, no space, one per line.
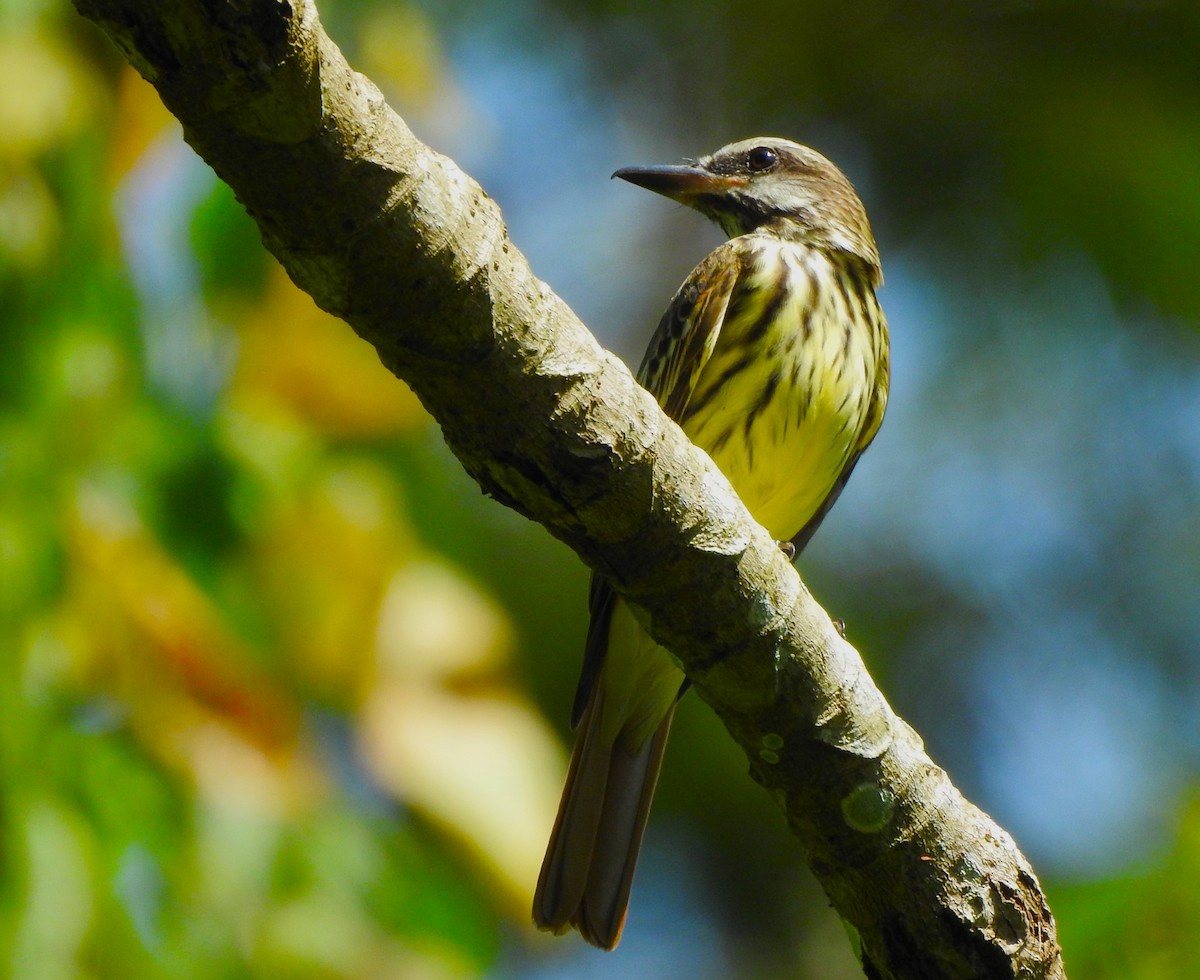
282,695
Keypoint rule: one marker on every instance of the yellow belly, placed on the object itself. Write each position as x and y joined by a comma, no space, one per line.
782,469
783,443
782,404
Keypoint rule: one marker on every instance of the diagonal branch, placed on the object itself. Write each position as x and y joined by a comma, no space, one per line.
397,241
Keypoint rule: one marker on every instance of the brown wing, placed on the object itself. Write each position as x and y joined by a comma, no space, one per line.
689,329
682,343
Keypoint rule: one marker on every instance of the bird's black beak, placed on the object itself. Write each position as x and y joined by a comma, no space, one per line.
681,183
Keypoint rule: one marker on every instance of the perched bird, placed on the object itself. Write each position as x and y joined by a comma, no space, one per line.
773,358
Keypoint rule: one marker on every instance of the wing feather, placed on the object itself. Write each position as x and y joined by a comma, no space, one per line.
688,330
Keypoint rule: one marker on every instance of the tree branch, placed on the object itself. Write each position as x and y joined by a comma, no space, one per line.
397,241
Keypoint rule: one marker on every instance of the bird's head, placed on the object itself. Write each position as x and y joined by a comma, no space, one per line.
773,184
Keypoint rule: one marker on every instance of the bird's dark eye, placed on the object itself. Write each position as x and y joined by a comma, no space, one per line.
761,158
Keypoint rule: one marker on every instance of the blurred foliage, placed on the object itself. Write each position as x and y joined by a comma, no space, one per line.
1142,927
230,655
269,661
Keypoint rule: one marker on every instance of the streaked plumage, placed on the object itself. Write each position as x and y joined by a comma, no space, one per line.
773,357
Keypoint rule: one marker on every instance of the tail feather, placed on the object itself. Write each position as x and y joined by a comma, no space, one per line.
565,868
588,871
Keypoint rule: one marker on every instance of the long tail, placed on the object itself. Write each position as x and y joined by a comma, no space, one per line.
589,864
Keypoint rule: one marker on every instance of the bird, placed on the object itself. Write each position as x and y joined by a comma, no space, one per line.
773,357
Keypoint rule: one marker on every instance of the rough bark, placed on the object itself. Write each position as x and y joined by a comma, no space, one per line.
396,240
